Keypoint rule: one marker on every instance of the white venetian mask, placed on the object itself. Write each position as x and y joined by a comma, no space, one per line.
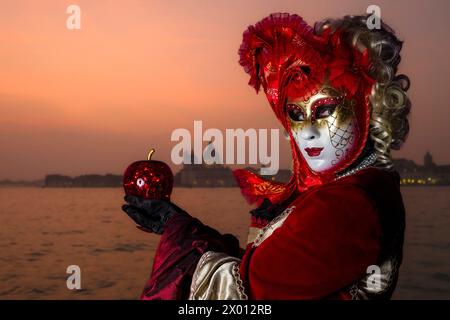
324,128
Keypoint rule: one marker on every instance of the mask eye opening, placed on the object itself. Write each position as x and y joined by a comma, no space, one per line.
325,110
294,112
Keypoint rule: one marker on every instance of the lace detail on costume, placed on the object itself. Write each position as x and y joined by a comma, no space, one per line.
272,226
354,292
367,162
238,282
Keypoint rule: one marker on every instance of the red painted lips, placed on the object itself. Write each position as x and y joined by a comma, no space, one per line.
313,152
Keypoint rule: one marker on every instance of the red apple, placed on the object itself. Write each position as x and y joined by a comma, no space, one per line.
149,179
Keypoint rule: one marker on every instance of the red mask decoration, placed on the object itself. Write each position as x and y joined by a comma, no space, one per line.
282,54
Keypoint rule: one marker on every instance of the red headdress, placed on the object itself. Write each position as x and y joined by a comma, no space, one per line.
282,54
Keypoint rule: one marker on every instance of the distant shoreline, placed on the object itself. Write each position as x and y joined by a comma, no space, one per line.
221,176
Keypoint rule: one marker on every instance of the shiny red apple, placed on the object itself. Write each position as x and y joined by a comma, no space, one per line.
149,179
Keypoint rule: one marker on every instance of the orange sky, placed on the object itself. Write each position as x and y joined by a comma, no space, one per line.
95,99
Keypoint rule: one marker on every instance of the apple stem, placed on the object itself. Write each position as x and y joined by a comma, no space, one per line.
150,153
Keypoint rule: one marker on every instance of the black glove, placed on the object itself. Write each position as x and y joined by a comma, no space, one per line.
266,211
150,215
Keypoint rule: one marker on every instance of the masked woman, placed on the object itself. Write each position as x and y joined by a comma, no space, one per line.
335,230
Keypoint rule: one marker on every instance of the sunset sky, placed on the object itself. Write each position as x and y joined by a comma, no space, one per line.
94,100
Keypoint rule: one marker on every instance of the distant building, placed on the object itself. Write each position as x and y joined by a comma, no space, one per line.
214,175
427,174
194,175
428,162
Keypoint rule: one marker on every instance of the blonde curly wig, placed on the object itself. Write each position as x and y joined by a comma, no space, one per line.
389,104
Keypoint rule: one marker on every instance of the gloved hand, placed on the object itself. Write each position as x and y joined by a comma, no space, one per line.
150,215
267,211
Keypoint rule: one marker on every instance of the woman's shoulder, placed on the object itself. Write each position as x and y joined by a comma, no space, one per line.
373,184
369,192
371,178
363,183
363,190
381,186
342,212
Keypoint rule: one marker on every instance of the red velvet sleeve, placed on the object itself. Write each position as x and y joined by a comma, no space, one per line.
324,245
182,243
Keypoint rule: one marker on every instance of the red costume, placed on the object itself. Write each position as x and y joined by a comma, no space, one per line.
328,225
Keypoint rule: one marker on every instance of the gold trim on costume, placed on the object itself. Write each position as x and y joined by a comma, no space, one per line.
217,278
267,231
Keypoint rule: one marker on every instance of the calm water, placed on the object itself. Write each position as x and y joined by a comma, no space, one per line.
45,230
